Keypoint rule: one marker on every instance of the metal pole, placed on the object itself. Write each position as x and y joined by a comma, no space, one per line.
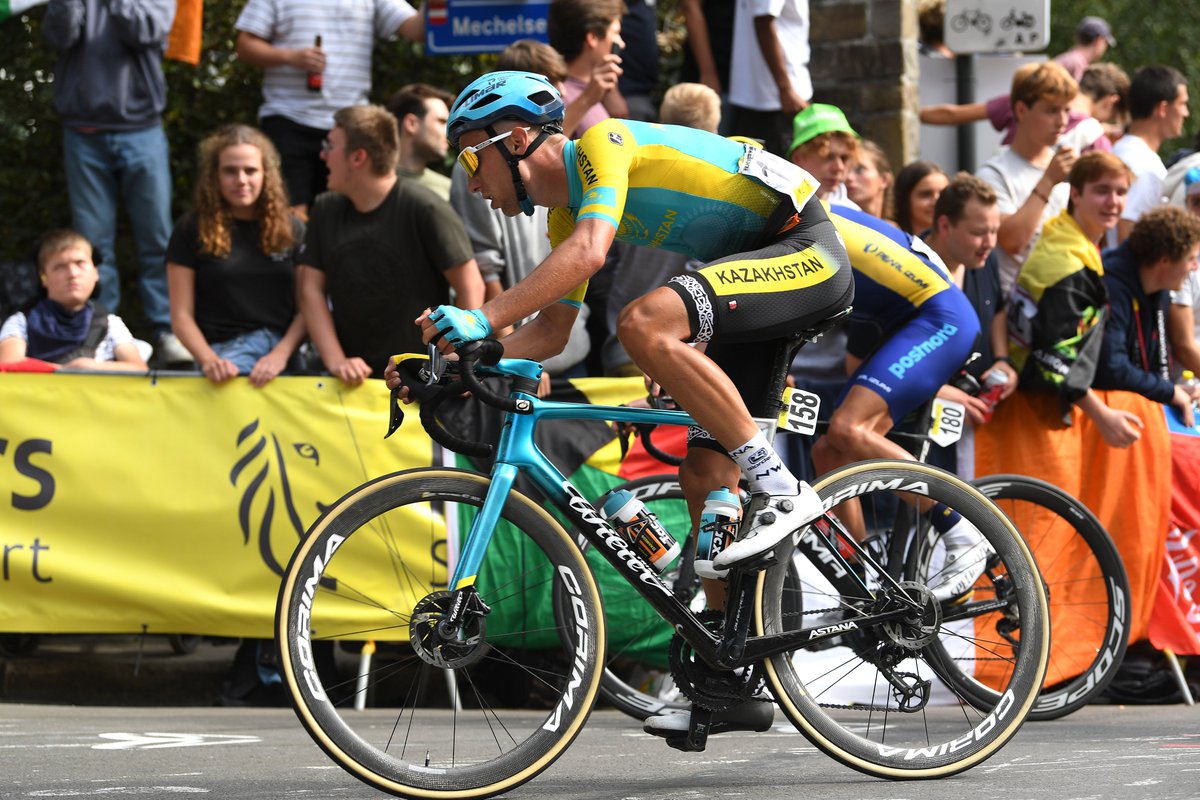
1179,678
964,79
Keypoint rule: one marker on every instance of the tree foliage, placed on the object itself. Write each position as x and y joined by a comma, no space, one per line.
222,89
1162,34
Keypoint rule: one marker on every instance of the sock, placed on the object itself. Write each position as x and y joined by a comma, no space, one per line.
763,468
943,518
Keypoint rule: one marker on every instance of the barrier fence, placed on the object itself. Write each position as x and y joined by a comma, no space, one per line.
167,502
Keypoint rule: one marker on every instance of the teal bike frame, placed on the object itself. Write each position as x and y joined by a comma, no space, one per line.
517,453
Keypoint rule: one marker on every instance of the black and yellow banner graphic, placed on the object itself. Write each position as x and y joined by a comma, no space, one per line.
173,504
170,502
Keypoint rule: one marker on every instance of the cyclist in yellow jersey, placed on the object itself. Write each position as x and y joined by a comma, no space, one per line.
776,266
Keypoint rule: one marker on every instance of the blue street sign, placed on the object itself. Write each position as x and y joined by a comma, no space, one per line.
482,26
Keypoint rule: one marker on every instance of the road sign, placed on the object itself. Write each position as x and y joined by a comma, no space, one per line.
985,26
482,26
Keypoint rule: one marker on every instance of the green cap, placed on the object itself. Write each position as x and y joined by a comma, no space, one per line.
816,119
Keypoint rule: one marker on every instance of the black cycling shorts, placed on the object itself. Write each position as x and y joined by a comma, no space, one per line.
748,305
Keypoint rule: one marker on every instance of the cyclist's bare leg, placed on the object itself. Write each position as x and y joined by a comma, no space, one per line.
703,471
654,330
857,431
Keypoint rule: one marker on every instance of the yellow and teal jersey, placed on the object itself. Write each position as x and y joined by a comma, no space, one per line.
677,188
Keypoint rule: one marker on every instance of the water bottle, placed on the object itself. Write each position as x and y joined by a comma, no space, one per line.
641,529
718,526
1189,379
993,384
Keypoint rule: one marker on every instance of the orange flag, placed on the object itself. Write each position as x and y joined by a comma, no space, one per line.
183,42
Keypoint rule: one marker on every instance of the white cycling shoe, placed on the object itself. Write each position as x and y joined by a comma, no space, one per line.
966,557
751,715
769,520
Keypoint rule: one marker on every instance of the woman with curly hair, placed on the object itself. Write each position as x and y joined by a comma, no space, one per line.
230,262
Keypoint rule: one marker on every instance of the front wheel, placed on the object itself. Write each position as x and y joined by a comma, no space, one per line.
466,716
876,697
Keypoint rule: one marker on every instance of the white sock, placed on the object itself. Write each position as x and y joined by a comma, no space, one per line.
763,468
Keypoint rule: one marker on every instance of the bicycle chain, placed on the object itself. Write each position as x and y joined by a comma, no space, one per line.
833,610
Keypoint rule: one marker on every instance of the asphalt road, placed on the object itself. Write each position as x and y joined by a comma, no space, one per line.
1125,753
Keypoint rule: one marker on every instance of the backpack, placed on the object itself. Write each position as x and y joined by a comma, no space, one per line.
1145,677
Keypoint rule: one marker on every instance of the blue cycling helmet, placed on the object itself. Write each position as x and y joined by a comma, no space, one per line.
526,96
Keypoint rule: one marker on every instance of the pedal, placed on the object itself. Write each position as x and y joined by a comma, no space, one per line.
761,562
697,735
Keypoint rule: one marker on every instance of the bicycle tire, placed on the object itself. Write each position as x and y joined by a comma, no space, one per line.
840,703
365,570
1087,586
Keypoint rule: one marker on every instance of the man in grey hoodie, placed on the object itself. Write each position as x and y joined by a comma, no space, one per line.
110,92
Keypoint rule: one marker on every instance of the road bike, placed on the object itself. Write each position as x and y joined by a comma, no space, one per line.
493,671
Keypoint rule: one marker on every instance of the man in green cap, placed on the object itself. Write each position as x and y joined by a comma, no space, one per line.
824,144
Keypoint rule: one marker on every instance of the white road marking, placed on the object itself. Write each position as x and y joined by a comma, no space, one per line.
154,741
109,791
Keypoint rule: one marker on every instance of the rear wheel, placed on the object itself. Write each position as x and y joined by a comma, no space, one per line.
468,715
1086,584
875,697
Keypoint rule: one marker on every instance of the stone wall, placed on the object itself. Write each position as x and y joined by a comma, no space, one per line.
864,60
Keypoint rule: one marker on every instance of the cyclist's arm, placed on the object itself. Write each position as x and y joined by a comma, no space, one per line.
543,336
573,262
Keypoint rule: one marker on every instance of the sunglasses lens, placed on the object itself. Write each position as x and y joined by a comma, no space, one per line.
469,161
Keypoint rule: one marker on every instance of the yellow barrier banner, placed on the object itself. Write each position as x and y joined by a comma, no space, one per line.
170,505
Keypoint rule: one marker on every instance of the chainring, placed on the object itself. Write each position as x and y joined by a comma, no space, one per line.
716,690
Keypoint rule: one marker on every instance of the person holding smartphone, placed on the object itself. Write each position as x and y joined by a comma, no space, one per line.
588,35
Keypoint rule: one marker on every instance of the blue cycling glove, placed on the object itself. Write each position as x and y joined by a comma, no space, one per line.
460,326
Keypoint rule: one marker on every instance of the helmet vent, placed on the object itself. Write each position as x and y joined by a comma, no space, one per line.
542,98
485,100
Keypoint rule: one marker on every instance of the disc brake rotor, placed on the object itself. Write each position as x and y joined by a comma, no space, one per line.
466,647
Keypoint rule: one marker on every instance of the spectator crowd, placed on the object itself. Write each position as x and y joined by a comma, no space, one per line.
320,231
